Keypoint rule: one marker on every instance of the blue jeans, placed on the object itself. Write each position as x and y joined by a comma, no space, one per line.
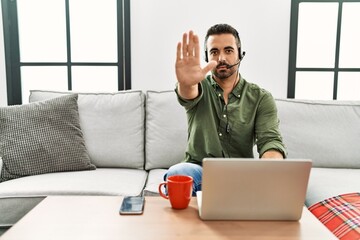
189,169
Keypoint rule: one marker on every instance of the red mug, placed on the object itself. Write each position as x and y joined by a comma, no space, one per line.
179,189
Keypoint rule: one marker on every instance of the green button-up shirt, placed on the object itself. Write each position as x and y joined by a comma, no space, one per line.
216,129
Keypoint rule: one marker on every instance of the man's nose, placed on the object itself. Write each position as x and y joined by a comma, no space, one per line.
222,57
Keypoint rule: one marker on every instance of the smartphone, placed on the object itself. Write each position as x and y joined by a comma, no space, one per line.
132,205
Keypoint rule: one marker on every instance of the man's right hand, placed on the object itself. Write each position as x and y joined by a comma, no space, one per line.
188,70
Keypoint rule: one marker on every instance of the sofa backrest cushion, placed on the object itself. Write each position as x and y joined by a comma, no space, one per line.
328,132
112,125
166,130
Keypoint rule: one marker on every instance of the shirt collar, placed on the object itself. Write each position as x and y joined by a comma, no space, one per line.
236,91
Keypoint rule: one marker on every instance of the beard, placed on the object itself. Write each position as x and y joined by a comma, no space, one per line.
223,74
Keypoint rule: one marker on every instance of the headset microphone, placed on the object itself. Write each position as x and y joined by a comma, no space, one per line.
240,56
230,66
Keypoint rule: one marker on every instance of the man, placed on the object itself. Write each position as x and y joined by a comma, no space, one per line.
226,114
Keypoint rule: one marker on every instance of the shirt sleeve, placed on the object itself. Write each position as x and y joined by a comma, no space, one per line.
189,104
267,127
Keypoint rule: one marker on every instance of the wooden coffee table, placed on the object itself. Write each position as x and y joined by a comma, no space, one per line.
97,217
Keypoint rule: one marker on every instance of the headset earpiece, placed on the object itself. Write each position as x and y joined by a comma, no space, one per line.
206,57
241,55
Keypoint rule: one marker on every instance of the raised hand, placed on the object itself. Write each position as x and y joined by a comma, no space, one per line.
188,70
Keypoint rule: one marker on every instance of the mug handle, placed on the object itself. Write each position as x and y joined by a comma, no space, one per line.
160,192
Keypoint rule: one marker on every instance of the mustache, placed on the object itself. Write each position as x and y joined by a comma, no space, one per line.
222,64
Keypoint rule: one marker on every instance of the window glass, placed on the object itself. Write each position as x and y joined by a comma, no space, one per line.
314,85
93,26
348,86
42,30
94,78
42,78
317,26
350,36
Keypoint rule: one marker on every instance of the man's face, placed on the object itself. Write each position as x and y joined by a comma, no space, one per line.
223,49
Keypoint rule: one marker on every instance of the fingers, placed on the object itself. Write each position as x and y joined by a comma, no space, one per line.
184,46
209,66
197,46
189,46
193,47
178,52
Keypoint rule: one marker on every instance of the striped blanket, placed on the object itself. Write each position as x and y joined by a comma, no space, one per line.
341,215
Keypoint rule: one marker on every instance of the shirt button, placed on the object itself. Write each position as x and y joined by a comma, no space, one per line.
224,115
220,134
219,95
239,95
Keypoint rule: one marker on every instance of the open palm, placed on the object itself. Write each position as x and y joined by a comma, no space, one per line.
188,69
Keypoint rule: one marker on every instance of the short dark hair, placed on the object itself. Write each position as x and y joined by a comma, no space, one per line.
223,28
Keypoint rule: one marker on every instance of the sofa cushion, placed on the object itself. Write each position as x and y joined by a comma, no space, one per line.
328,132
42,137
155,177
329,182
166,130
20,195
112,124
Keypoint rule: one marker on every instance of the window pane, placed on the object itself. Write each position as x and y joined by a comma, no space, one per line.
93,26
314,85
87,79
42,78
42,34
350,36
316,41
348,86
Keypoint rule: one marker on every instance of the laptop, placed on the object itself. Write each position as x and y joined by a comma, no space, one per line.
253,189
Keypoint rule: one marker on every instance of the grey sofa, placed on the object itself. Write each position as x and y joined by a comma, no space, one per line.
133,137
328,132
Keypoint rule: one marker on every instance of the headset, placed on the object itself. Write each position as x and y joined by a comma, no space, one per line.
241,55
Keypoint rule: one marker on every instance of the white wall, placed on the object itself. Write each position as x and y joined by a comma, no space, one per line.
157,26
3,95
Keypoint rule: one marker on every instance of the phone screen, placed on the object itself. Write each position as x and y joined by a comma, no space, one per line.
132,205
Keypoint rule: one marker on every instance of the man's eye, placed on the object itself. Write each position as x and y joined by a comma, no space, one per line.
213,53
